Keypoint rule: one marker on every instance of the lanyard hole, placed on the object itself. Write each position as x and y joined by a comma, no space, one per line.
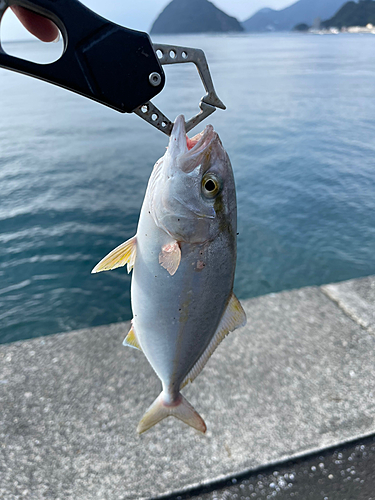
18,36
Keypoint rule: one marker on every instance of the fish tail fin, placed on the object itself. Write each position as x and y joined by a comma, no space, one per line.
180,409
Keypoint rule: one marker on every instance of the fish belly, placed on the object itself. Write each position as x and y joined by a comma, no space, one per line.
175,317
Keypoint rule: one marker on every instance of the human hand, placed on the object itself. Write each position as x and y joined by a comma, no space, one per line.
39,26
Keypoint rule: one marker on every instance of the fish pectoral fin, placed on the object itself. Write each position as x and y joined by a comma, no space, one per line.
181,409
123,254
131,340
234,317
170,257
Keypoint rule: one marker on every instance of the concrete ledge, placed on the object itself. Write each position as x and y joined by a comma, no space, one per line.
357,299
299,377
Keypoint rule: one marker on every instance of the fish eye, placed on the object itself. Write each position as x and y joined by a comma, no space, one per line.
210,186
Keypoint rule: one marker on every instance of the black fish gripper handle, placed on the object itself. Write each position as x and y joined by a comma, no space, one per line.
103,61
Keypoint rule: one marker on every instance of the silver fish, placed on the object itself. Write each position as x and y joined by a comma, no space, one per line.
183,259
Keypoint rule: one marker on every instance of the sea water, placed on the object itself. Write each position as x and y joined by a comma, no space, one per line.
299,129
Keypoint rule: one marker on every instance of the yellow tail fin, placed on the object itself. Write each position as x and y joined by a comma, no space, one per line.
182,410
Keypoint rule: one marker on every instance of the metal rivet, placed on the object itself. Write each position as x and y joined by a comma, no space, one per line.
155,79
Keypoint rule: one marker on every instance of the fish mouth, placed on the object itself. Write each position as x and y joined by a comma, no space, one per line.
189,151
201,141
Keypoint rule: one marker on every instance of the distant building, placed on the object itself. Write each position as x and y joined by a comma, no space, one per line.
316,24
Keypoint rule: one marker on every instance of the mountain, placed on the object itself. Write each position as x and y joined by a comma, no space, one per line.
303,11
194,16
353,14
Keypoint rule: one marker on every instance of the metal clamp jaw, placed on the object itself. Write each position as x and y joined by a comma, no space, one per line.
173,54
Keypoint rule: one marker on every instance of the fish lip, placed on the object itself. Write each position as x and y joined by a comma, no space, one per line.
207,136
177,141
190,159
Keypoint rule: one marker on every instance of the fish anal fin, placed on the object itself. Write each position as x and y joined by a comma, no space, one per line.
131,340
123,254
170,257
181,409
234,317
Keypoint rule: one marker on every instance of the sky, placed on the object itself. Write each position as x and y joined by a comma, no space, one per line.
140,14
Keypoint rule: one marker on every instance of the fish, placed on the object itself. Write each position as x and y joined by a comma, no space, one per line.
183,259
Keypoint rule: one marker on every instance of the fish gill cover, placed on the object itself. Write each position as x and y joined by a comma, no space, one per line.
194,16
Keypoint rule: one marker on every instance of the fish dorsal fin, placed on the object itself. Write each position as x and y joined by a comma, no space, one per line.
170,257
234,317
131,340
123,254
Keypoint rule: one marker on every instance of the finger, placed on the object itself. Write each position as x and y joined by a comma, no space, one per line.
39,26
